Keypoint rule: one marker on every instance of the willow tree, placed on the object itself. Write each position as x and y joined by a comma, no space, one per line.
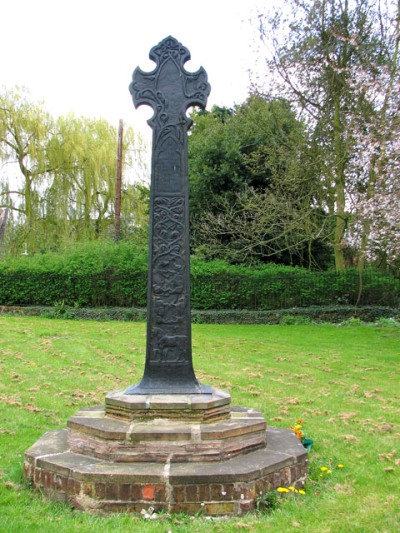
314,48
62,174
25,131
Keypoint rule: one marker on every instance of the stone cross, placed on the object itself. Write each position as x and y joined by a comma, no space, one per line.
170,90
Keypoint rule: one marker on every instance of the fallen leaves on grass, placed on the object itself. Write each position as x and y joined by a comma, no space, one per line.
292,401
10,401
344,488
351,438
345,417
12,485
33,408
386,427
255,375
387,456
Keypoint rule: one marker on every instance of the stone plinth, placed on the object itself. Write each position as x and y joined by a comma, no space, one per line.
194,407
171,452
226,487
92,432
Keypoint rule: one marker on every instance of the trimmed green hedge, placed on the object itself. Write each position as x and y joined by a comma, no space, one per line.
115,275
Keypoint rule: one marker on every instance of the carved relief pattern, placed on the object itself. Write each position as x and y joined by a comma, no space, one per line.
170,90
168,84
169,343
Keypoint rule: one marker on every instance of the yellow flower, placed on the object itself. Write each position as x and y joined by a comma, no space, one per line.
329,471
324,469
292,489
340,466
301,491
282,489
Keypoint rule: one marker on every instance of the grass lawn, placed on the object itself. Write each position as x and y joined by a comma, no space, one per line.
343,381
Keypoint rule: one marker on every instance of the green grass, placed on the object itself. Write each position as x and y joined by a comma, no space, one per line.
343,381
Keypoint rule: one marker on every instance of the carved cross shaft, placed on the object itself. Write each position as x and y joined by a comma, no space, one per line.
170,90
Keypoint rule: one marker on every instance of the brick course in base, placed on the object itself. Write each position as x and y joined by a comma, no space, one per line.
224,488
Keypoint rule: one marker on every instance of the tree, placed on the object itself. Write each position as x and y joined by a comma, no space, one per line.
65,171
25,129
252,196
316,49
376,163
264,225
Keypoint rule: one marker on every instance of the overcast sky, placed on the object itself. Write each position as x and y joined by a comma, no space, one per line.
79,55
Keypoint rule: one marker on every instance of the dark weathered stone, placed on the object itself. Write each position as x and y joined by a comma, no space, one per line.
170,90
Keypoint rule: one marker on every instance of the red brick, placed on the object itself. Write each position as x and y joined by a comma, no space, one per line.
100,491
160,494
136,492
228,490
204,493
246,506
111,491
286,477
178,494
148,492
74,486
88,489
125,492
60,483
244,491
27,470
216,492
50,480
191,493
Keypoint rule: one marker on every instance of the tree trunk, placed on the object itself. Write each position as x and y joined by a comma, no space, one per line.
340,195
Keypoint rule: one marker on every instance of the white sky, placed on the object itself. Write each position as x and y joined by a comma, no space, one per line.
79,55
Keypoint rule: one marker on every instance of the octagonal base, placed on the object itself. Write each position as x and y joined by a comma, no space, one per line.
205,408
218,488
92,432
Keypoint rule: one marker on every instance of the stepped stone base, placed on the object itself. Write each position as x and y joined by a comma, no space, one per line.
93,433
129,463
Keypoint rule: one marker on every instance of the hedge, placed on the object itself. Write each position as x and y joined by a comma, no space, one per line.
111,275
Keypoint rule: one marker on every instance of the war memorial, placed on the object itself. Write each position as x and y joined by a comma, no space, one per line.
168,442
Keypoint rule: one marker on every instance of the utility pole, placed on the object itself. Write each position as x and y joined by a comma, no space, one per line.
117,226
3,223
